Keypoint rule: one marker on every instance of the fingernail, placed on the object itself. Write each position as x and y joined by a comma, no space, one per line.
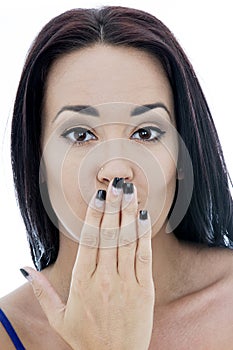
26,275
100,198
128,190
143,215
117,185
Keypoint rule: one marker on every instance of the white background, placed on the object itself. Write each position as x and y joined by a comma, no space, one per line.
203,28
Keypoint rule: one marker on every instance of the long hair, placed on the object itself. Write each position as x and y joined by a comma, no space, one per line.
209,218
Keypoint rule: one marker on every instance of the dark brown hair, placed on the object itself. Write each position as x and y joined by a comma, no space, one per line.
209,218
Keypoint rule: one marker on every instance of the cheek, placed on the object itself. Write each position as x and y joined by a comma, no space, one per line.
77,192
162,189
62,177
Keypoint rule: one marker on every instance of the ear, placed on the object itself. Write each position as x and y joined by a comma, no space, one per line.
180,174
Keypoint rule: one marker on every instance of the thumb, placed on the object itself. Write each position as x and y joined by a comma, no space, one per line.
48,298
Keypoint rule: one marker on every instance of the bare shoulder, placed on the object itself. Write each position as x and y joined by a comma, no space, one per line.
218,315
16,301
213,318
16,307
12,306
5,341
29,322
202,319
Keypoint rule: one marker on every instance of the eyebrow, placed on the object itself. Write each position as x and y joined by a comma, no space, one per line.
91,111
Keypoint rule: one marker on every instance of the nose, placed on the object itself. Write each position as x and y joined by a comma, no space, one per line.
116,168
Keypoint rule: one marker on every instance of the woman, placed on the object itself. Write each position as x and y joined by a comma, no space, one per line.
124,192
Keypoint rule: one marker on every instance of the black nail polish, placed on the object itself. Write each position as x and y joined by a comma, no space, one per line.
128,188
143,215
101,195
24,273
118,182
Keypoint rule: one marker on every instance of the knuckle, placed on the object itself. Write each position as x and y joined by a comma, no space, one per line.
109,233
81,285
127,243
96,214
105,285
144,258
39,292
89,235
90,240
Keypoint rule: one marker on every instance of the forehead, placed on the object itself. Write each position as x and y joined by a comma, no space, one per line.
103,74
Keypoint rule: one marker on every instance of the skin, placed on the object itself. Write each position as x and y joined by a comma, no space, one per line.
182,276
114,98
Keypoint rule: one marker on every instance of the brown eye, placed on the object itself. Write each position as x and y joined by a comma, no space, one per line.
144,133
78,135
149,134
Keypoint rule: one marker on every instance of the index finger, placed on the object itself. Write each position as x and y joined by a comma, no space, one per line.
85,263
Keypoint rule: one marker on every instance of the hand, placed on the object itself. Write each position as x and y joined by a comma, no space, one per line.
111,299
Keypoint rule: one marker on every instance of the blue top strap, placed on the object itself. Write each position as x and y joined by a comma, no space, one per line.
11,332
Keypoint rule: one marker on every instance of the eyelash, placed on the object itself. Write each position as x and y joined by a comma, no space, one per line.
82,130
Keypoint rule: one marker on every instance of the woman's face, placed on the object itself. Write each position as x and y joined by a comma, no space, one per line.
115,132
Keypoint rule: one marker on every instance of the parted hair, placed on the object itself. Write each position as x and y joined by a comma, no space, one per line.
209,217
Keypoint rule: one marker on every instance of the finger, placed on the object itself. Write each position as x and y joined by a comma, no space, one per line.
49,300
109,230
86,260
128,233
143,261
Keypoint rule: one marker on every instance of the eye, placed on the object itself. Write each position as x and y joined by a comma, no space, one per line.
149,134
78,135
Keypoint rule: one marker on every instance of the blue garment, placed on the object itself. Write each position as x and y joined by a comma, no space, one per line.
11,332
